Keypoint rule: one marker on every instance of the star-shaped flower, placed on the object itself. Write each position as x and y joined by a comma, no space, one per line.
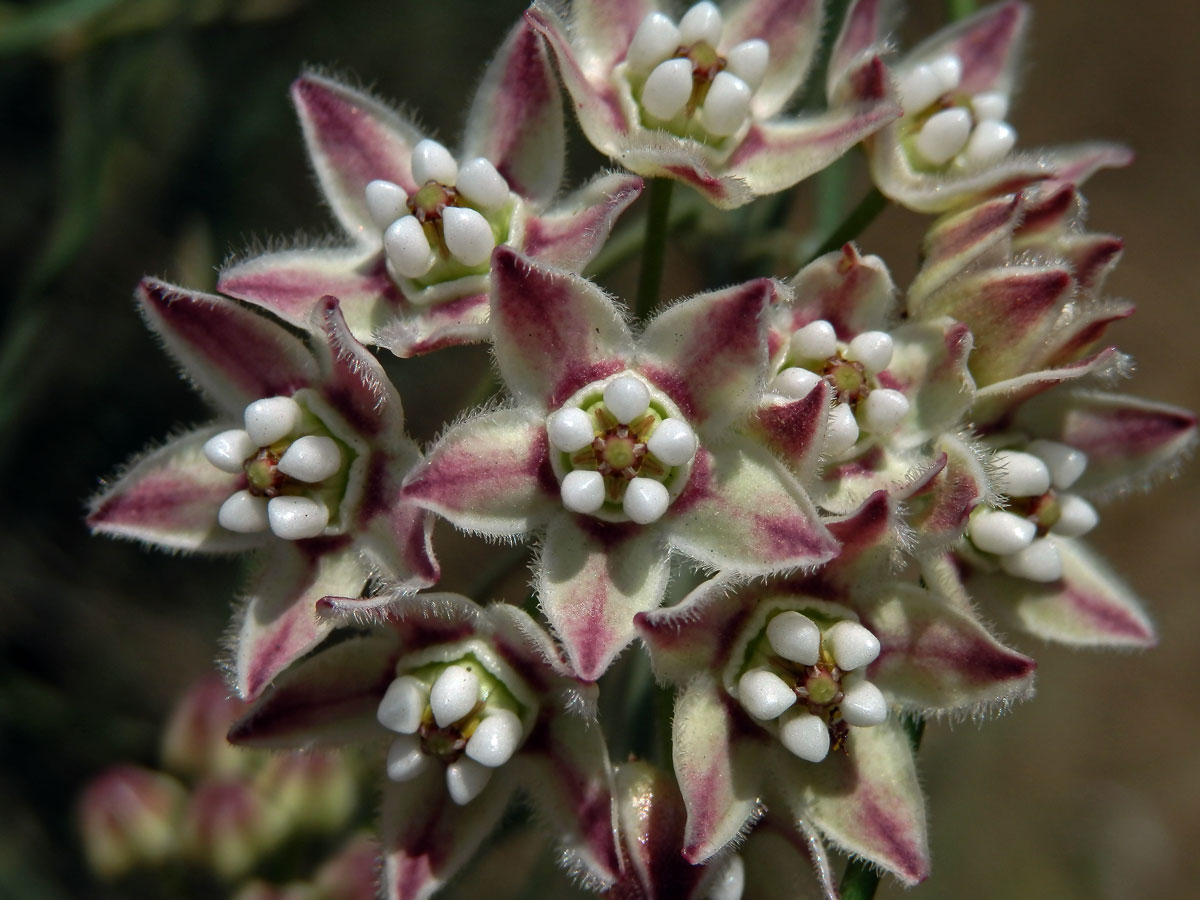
473,703
303,466
790,692
1023,273
699,99
888,398
621,449
422,222
953,142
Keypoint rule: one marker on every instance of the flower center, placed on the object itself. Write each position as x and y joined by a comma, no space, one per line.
1022,539
852,370
622,452
808,677
296,472
455,714
682,82
448,228
943,127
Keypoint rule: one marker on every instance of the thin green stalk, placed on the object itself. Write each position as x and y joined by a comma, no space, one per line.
854,224
860,880
959,9
655,245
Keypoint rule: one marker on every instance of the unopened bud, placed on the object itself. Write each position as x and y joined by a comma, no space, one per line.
129,817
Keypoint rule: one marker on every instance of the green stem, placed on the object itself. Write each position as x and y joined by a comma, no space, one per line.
654,246
860,880
854,224
959,9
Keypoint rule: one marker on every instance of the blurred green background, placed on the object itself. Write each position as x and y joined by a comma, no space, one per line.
155,136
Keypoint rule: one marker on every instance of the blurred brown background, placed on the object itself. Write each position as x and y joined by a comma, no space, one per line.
155,136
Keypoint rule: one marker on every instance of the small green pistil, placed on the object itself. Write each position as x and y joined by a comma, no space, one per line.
619,453
822,687
262,473
848,378
428,202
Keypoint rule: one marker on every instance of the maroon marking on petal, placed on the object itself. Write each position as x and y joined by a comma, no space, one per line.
378,491
884,830
698,486
867,464
888,380
1123,434
791,427
159,497
1107,617
958,342
1049,210
951,495
1088,336
988,218
230,338
863,529
352,383
607,534
938,648
576,376
292,292
704,182
985,49
417,551
354,141
523,87
870,82
590,637
674,386
1095,258
861,30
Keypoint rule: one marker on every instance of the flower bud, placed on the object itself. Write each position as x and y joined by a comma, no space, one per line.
128,817
314,790
194,742
228,827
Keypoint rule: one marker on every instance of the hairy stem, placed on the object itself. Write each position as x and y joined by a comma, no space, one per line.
654,246
860,880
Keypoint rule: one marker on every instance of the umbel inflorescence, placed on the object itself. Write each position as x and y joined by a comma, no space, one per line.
793,503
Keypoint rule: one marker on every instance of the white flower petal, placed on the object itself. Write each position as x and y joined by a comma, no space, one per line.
244,513
433,162
701,23
1040,561
469,237
863,705
842,433
495,739
806,736
795,636
990,142
386,202
852,645
627,398
453,695
570,429
668,88
990,105
582,491
311,458
1020,474
816,340
645,500
407,247
943,135
873,349
270,419
229,450
673,441
297,518
481,184
466,779
796,382
764,694
1076,516
656,39
748,61
726,105
883,410
1066,463
999,532
406,760
403,705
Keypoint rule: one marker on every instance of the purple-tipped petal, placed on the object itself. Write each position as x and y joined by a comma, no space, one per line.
291,283
743,512
594,578
718,780
605,28
427,837
417,330
596,101
280,623
554,332
980,235
936,658
1129,442
1076,164
854,293
996,401
860,37
778,154
516,117
867,802
234,355
170,498
791,29
663,155
353,139
697,633
988,45
795,429
1088,607
574,230
709,354
490,474
328,698
940,499
1012,313
564,768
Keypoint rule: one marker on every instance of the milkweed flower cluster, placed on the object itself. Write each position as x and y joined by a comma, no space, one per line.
794,503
